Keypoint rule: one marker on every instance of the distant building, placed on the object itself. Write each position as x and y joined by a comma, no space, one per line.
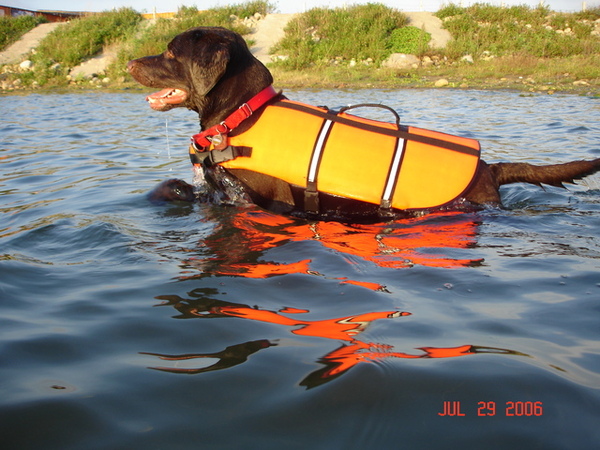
51,16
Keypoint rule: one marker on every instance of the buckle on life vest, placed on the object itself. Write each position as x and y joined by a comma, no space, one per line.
212,157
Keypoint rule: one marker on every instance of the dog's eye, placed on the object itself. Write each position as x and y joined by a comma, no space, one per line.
169,54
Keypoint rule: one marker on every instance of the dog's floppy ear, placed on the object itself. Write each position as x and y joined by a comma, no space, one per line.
208,66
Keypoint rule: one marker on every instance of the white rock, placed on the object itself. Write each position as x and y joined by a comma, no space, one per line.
400,61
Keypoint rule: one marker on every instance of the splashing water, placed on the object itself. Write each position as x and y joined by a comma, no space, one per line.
198,179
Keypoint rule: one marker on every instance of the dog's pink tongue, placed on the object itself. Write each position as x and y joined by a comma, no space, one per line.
166,99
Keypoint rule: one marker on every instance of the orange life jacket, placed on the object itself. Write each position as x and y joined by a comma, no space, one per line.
401,167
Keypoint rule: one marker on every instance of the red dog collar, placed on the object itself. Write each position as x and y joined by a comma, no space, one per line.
216,134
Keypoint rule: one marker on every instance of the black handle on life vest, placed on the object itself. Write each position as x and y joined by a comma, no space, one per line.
373,105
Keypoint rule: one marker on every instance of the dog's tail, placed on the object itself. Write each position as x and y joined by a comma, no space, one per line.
553,175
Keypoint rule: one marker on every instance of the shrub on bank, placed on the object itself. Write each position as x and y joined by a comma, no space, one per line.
76,41
83,37
409,40
358,33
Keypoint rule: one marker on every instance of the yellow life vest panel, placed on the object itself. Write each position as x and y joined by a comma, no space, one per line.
352,157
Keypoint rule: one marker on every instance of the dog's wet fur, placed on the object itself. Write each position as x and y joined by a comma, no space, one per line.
211,71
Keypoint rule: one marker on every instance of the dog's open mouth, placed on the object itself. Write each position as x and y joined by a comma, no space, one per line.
166,99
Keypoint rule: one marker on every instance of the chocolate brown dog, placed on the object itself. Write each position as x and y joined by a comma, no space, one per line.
210,70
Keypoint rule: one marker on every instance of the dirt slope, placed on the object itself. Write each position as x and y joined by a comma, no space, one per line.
16,52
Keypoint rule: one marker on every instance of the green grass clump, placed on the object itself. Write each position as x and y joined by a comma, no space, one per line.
358,32
12,28
411,40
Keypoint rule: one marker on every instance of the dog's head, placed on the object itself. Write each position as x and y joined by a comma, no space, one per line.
207,69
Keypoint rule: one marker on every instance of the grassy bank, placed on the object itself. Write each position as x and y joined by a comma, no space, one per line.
482,29
524,48
83,38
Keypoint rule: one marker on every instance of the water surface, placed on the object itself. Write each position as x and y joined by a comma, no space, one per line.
131,325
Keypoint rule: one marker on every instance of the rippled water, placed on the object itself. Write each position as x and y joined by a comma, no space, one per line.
125,324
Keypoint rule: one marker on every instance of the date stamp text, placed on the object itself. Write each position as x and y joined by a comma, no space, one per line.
489,409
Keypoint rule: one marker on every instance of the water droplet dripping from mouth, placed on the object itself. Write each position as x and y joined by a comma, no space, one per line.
168,143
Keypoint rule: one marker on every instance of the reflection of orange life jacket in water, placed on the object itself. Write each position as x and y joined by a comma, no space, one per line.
381,163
